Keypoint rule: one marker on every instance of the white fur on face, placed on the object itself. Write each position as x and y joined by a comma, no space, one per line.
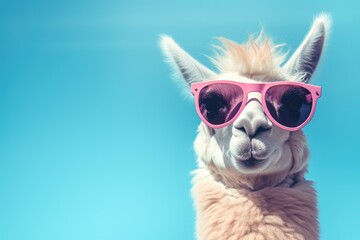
230,147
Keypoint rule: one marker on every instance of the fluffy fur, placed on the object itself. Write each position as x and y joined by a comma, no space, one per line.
257,59
270,199
284,211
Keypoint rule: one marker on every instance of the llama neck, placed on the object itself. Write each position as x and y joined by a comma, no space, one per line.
283,211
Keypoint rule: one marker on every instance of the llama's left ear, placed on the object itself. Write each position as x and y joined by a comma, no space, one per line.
306,57
190,69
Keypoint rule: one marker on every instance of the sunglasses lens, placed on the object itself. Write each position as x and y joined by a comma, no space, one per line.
289,105
219,103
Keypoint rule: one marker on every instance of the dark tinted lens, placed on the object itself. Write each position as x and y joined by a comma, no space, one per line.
219,102
289,105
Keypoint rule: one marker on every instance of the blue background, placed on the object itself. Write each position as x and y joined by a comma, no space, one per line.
96,139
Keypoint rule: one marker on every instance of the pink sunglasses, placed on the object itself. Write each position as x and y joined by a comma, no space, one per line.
289,105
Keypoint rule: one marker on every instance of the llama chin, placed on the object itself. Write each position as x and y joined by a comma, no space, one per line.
250,181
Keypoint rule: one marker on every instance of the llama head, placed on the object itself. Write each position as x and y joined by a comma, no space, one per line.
252,147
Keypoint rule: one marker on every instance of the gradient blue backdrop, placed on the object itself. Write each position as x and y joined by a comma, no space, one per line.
96,139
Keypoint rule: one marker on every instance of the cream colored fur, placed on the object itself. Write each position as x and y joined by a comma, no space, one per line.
270,200
283,211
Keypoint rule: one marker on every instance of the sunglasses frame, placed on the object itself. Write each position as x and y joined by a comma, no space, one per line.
260,88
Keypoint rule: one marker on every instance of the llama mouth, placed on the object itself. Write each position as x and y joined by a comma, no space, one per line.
251,162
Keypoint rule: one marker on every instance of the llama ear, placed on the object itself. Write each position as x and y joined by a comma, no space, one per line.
190,69
306,57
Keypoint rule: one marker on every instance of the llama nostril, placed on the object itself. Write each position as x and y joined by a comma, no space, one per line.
240,129
251,130
260,130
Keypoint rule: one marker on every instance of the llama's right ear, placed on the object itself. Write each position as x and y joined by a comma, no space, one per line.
190,69
307,55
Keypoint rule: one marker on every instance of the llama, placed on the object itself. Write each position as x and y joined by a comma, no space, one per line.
250,181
